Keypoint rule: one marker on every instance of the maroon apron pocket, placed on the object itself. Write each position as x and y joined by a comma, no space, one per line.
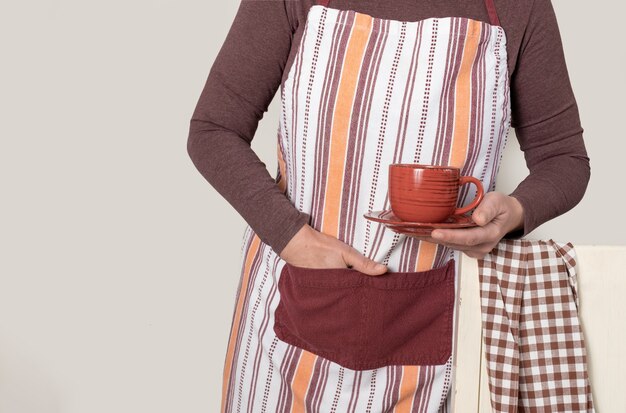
365,322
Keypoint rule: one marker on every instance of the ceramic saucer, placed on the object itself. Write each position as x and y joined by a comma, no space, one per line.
394,223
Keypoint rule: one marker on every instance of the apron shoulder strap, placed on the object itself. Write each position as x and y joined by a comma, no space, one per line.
491,10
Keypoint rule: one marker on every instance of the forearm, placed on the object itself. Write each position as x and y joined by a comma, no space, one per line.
556,183
230,165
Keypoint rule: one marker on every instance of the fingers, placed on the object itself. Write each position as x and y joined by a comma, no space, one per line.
359,262
474,251
467,237
488,209
474,242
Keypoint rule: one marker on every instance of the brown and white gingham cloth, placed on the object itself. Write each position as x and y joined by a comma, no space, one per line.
534,346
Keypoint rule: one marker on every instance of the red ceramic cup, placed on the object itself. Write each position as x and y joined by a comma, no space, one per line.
428,193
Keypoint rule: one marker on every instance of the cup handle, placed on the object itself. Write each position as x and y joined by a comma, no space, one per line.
479,195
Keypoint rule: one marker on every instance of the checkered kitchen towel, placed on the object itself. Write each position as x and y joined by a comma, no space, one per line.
534,346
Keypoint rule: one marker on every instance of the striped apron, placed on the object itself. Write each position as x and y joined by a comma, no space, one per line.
364,92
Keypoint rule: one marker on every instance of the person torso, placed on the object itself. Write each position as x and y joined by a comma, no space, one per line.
364,92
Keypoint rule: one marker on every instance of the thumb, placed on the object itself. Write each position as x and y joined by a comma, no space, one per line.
359,262
485,212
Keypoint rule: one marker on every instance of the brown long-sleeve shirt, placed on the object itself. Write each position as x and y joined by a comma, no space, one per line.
260,47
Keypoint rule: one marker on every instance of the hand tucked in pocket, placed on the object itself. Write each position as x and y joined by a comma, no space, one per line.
310,248
497,215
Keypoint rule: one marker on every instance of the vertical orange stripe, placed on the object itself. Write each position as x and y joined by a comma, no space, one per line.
341,121
252,252
301,381
463,106
282,183
337,157
426,255
408,388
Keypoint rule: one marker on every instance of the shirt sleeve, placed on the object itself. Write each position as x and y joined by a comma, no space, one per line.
240,86
545,116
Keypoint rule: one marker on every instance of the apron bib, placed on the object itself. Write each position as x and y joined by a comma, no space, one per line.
364,92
